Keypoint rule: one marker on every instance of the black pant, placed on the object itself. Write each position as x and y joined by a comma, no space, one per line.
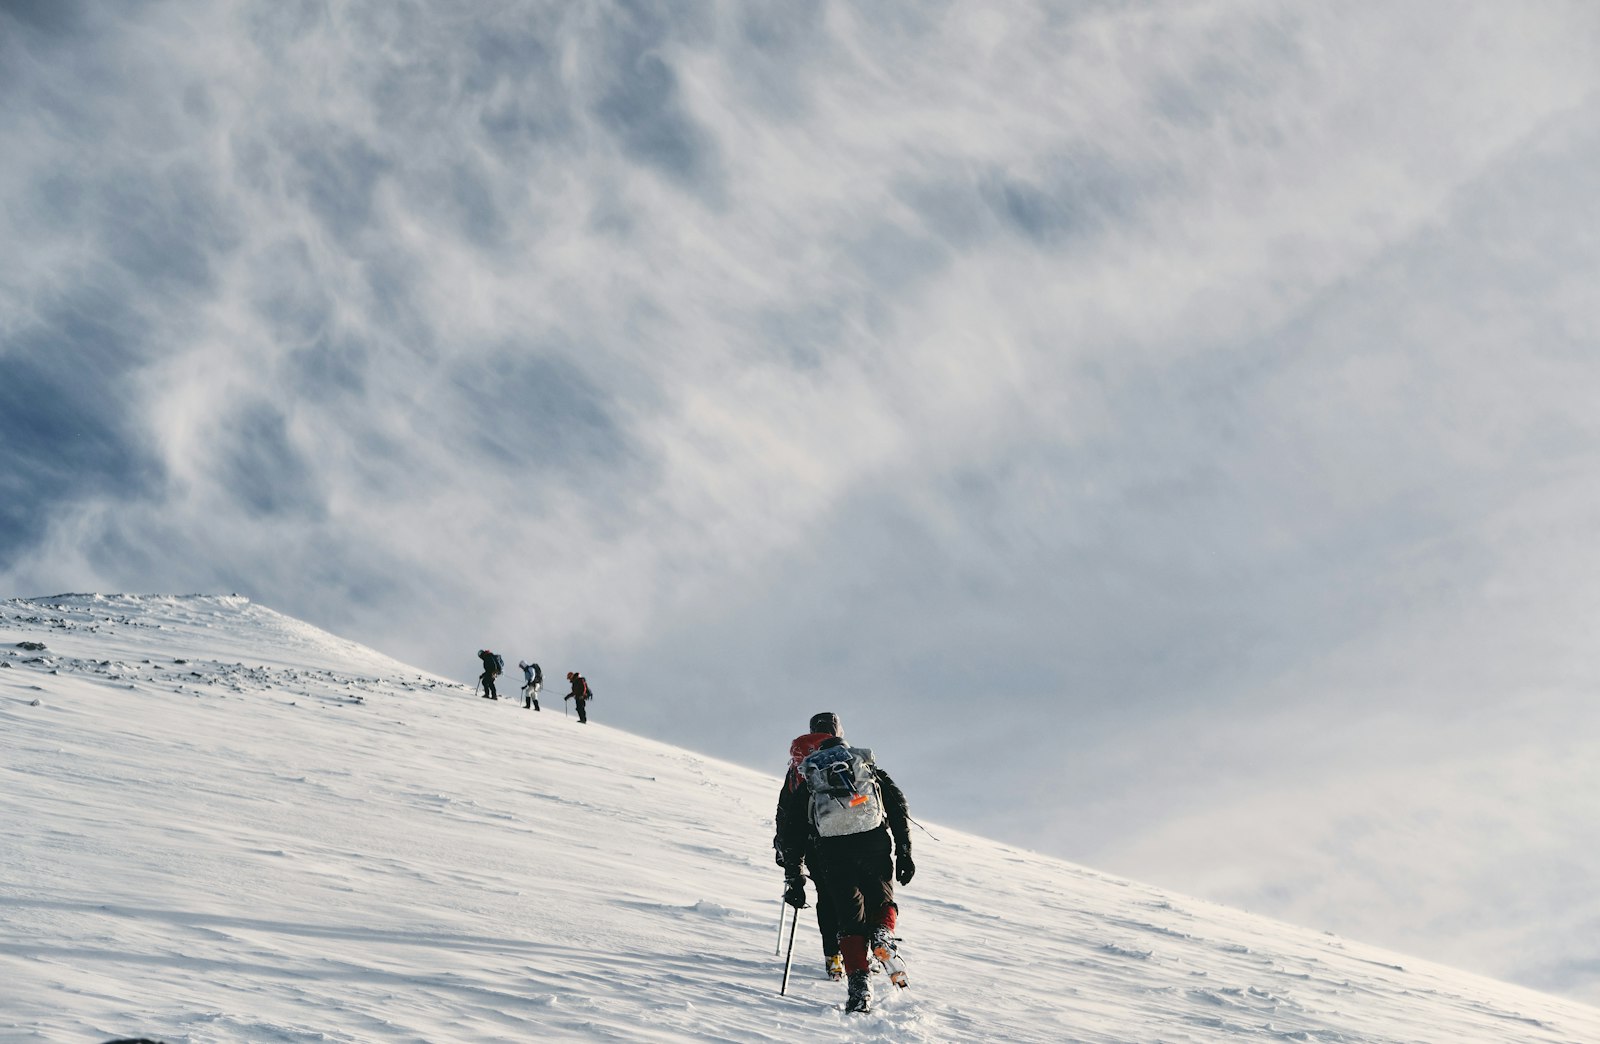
857,874
489,690
827,923
583,715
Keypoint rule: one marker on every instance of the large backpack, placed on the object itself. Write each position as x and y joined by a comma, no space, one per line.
802,748
499,663
845,798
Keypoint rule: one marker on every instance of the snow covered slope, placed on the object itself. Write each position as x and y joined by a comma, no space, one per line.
221,824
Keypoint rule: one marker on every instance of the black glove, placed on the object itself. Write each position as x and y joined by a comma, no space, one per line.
794,891
904,868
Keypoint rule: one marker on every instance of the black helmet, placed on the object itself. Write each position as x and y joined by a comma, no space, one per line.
825,721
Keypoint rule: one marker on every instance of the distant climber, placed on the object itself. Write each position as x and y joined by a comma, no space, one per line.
493,664
534,681
581,694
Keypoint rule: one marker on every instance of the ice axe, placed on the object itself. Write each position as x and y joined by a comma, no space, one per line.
784,989
777,947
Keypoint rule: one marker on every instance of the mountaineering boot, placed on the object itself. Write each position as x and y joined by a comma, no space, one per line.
835,967
860,992
882,947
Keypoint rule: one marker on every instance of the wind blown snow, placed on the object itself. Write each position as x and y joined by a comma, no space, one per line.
225,825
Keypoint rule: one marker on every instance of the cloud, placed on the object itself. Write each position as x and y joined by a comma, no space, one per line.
641,102
47,18
66,427
263,469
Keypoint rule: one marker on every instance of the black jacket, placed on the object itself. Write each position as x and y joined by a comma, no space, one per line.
797,840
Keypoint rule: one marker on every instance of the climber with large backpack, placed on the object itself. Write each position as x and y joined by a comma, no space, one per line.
862,846
493,664
533,676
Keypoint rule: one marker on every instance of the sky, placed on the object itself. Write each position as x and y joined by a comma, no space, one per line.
1164,431
224,825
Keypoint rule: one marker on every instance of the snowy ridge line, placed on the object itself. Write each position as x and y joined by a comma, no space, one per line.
211,871
200,676
211,626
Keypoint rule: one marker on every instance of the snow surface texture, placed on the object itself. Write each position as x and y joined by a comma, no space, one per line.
224,825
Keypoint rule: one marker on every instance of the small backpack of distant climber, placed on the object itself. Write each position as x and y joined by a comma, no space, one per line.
845,798
499,664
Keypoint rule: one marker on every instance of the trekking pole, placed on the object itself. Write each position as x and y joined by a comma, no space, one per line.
777,947
784,989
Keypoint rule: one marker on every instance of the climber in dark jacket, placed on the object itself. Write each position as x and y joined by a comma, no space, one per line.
580,695
854,866
491,669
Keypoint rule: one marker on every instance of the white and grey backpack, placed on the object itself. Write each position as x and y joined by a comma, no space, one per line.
845,797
